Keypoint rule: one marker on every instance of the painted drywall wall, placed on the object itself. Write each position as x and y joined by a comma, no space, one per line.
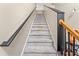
71,15
51,18
11,17
39,6
20,13
49,4
17,46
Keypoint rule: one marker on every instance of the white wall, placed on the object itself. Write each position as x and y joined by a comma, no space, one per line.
39,6
71,18
12,17
51,18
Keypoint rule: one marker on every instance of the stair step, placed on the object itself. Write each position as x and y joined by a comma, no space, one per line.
40,44
39,21
39,40
39,24
39,54
39,49
39,28
39,33
40,37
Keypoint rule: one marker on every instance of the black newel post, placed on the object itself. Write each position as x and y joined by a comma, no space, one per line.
60,33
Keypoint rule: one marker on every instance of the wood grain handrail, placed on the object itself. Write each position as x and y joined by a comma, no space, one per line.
69,28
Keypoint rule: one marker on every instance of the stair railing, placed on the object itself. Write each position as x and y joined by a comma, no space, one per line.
69,47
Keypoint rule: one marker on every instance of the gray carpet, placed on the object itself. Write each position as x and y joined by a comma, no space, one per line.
39,42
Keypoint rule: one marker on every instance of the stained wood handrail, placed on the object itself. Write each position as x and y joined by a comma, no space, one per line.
69,28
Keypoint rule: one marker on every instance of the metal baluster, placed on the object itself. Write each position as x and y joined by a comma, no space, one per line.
73,46
68,44
65,44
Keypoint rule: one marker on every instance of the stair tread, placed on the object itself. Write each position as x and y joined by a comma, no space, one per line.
39,49
40,37
39,28
39,40
40,44
38,54
40,25
39,33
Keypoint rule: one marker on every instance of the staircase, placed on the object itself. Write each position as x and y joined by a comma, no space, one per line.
39,42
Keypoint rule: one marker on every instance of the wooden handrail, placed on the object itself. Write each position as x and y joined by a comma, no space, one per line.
70,29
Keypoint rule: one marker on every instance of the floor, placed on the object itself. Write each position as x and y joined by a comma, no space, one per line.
39,42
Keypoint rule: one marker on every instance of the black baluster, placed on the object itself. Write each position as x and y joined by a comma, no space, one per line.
68,44
65,44
73,46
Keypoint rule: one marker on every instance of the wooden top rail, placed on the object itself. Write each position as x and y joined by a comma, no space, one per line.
70,29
